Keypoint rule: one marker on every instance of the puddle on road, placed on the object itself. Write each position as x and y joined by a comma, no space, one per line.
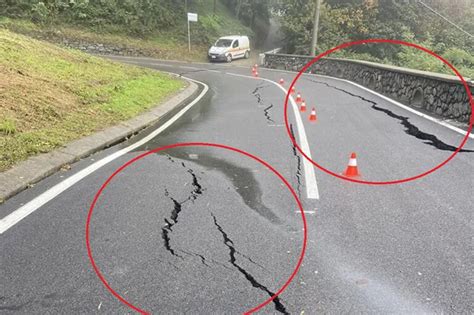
243,180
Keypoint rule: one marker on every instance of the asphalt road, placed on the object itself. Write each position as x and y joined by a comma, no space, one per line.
208,231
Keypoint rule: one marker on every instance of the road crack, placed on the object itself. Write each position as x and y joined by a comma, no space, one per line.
232,253
261,103
173,218
265,111
410,129
298,163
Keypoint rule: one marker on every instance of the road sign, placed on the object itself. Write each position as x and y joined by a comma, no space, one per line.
192,17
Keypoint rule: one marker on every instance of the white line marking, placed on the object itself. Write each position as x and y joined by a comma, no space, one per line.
22,212
307,212
412,110
312,191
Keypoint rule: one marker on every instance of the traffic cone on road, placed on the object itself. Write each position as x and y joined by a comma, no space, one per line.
255,74
298,98
256,66
293,90
312,116
303,106
282,81
352,170
254,70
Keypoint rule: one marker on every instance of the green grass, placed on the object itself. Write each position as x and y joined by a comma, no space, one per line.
7,126
51,95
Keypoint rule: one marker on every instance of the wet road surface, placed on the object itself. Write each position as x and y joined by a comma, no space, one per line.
204,230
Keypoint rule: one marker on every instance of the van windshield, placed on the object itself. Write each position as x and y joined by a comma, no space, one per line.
223,43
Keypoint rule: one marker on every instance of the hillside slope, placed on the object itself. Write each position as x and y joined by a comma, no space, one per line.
50,95
169,43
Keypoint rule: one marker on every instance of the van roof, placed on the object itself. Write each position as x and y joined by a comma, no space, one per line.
232,37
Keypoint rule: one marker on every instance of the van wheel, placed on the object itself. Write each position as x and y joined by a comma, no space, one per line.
229,58
247,54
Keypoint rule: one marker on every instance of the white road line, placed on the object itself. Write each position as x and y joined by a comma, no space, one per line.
22,212
307,212
312,191
412,110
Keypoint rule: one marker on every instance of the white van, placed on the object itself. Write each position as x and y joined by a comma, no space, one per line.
230,47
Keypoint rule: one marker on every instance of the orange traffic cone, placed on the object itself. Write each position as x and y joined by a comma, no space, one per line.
255,74
254,69
312,116
352,170
298,98
293,90
303,106
282,81
256,66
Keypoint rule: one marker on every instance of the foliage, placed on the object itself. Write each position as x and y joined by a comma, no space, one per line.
253,13
144,17
350,20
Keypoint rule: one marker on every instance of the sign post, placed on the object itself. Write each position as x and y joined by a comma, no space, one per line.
192,17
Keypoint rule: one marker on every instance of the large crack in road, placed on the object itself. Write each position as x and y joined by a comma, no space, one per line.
410,129
173,219
233,260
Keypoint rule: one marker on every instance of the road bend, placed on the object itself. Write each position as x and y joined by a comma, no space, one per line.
208,231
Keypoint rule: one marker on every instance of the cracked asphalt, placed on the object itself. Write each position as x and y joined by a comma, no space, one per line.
197,230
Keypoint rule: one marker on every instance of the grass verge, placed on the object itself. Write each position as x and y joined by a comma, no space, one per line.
50,96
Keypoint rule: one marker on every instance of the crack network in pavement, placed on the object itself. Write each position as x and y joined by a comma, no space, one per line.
244,182
173,219
232,251
410,129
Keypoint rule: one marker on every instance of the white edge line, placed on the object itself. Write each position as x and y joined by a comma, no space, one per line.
312,191
22,212
412,110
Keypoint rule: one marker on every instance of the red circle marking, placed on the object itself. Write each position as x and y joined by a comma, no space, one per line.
391,41
196,144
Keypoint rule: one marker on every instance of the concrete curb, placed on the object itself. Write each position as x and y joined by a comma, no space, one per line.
38,167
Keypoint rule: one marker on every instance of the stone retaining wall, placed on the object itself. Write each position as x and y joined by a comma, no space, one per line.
442,95
104,49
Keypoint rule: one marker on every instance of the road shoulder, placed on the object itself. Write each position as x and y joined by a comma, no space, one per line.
36,168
